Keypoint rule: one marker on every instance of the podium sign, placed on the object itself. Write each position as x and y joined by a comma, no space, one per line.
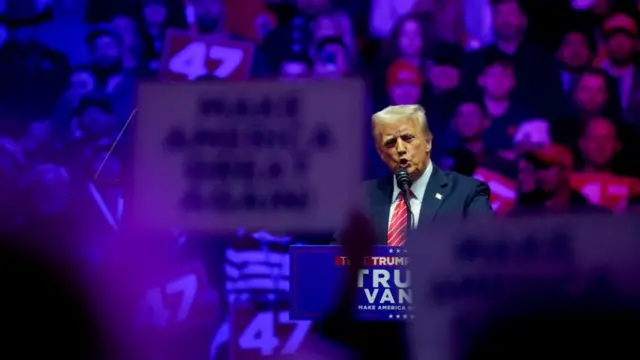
317,274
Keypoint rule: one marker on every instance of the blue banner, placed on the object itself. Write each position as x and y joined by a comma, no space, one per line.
317,273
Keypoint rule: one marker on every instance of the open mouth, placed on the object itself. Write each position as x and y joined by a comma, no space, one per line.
404,163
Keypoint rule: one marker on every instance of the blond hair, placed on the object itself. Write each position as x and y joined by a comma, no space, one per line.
395,113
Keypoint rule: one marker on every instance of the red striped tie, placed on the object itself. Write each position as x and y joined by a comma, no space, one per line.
398,225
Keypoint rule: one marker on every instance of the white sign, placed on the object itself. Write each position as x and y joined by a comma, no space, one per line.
216,156
463,275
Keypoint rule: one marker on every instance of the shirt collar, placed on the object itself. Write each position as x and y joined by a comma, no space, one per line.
419,186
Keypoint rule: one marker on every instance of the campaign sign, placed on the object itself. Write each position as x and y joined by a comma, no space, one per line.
177,299
189,56
259,155
257,333
468,274
317,274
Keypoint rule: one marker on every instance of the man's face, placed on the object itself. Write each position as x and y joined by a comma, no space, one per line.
410,38
96,121
497,81
80,83
526,176
443,77
620,48
37,135
106,53
548,179
509,21
469,121
599,144
154,14
331,62
574,51
591,93
325,27
403,144
126,27
208,15
405,94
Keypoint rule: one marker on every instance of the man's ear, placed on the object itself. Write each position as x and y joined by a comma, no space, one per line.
428,139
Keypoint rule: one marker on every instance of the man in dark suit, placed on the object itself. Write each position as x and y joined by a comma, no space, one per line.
403,140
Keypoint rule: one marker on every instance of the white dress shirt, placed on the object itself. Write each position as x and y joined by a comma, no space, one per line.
418,188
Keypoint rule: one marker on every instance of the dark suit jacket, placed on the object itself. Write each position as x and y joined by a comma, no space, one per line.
462,197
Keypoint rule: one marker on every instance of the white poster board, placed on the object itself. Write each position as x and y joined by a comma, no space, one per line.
217,156
461,274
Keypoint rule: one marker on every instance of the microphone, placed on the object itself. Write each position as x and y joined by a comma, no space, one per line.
403,180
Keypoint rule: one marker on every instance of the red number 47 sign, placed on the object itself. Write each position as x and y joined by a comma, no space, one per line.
256,335
190,56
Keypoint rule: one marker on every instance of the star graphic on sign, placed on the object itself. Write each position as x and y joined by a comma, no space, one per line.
411,316
390,251
404,316
390,316
397,316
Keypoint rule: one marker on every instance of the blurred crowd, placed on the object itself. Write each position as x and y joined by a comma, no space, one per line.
539,98
501,81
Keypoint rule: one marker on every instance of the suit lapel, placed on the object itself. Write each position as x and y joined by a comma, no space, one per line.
434,195
380,204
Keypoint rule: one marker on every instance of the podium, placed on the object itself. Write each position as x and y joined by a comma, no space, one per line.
317,275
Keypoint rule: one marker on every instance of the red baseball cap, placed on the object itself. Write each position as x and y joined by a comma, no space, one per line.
403,73
552,154
620,22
